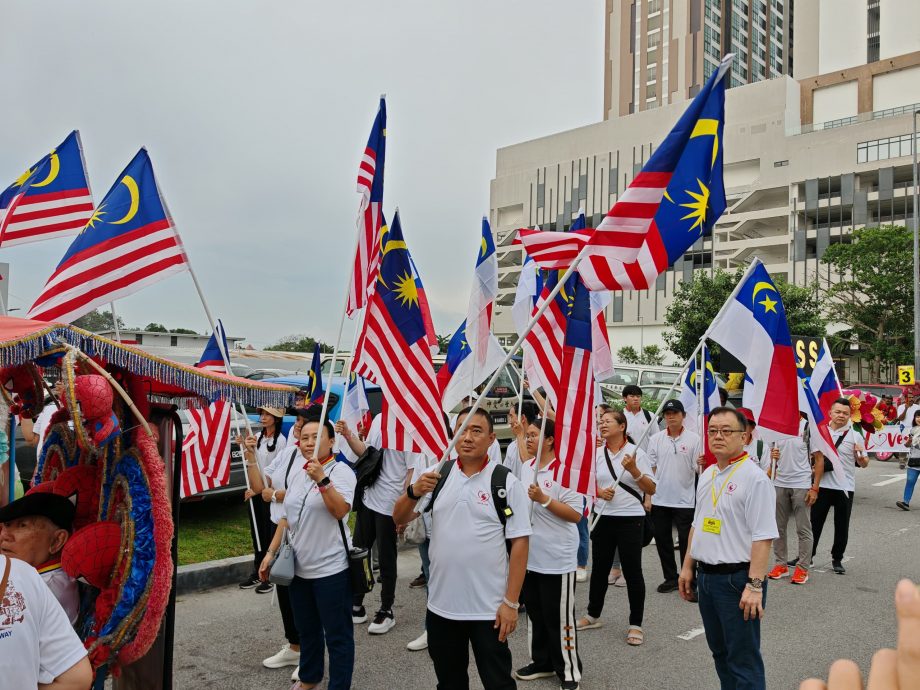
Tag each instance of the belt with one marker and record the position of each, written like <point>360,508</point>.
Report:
<point>722,568</point>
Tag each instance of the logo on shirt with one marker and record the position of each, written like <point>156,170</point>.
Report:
<point>547,484</point>
<point>731,487</point>
<point>12,608</point>
<point>483,497</point>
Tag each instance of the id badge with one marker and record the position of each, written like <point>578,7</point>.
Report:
<point>712,525</point>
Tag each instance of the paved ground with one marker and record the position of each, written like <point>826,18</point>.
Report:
<point>222,635</point>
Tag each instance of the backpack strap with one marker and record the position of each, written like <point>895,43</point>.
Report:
<point>648,416</point>
<point>287,472</point>
<point>445,470</point>
<point>628,489</point>
<point>499,483</point>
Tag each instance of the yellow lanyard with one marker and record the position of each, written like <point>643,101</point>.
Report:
<point>715,469</point>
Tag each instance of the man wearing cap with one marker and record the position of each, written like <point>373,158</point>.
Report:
<point>733,527</point>
<point>35,529</point>
<point>673,455</point>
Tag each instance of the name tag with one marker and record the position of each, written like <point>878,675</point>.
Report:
<point>712,525</point>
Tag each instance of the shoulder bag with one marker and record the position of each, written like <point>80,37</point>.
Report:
<point>648,527</point>
<point>359,566</point>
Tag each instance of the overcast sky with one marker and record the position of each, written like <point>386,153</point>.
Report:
<point>255,115</point>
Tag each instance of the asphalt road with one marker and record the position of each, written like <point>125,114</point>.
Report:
<point>222,635</point>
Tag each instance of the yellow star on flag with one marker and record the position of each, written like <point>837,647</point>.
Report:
<point>768,305</point>
<point>406,291</point>
<point>698,206</point>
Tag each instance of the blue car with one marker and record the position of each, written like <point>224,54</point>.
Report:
<point>334,390</point>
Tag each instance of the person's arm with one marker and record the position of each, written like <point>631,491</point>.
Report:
<point>335,502</point>
<point>859,453</point>
<point>28,431</point>
<point>812,494</point>
<point>404,511</point>
<point>646,483</point>
<point>351,438</point>
<point>77,677</point>
<point>541,403</point>
<point>561,510</point>
<point>251,463</point>
<point>520,437</point>
<point>506,618</point>
<point>752,601</point>
<point>685,581</point>
<point>272,549</point>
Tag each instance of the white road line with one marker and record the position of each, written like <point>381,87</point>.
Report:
<point>895,479</point>
<point>690,634</point>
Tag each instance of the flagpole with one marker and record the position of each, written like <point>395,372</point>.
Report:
<point>536,459</point>
<point>115,321</point>
<point>701,394</point>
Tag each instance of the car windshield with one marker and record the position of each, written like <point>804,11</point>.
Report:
<point>339,366</point>
<point>651,378</point>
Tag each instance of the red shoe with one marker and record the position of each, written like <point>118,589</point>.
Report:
<point>779,570</point>
<point>800,576</point>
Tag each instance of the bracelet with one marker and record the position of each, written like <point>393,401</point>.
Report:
<point>322,488</point>
<point>511,605</point>
<point>751,587</point>
<point>411,493</point>
<point>548,501</point>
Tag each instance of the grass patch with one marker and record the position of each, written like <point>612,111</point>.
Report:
<point>217,528</point>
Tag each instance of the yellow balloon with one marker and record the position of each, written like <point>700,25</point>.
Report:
<point>129,182</point>
<point>53,171</point>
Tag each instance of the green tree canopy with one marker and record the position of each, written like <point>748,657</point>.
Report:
<point>185,331</point>
<point>874,297</point>
<point>97,321</point>
<point>298,343</point>
<point>155,328</point>
<point>651,355</point>
<point>696,304</point>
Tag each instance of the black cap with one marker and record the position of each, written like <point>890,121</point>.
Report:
<point>58,509</point>
<point>673,405</point>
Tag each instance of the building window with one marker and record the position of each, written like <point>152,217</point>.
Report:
<point>651,91</point>
<point>883,149</point>
<point>651,74</point>
<point>139,339</point>
<point>173,341</point>
<point>654,40</point>
<point>654,6</point>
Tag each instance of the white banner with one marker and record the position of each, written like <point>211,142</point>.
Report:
<point>892,438</point>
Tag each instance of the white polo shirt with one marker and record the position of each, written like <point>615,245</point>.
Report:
<point>674,462</point>
<point>793,469</point>
<point>636,423</point>
<point>37,642</point>
<point>277,471</point>
<point>554,542</point>
<point>391,483</point>
<point>317,540</point>
<point>469,560</point>
<point>745,511</point>
<point>264,455</point>
<point>513,458</point>
<point>844,477</point>
<point>623,503</point>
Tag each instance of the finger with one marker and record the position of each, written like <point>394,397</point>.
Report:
<point>883,674</point>
<point>813,684</point>
<point>907,603</point>
<point>498,621</point>
<point>844,675</point>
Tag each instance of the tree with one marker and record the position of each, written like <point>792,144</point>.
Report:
<point>651,355</point>
<point>183,331</point>
<point>874,297</point>
<point>628,355</point>
<point>97,321</point>
<point>298,343</point>
<point>155,328</point>
<point>696,304</point>
<point>443,342</point>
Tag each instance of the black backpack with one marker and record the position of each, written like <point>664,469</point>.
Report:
<point>499,481</point>
<point>367,470</point>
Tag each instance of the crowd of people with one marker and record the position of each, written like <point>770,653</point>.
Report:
<point>503,538</point>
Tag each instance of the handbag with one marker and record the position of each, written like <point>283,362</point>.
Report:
<point>359,566</point>
<point>367,470</point>
<point>648,527</point>
<point>281,571</point>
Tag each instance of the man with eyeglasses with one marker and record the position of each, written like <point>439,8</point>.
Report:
<point>733,528</point>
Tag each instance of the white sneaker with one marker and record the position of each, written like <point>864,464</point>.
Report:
<point>285,657</point>
<point>383,622</point>
<point>294,677</point>
<point>581,575</point>
<point>419,643</point>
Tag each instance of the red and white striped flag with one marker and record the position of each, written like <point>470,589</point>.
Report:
<point>206,449</point>
<point>370,215</point>
<point>394,433</point>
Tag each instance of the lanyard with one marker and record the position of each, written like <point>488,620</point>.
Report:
<point>715,469</point>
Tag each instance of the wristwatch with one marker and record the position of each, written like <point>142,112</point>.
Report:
<point>325,481</point>
<point>755,584</point>
<point>411,494</point>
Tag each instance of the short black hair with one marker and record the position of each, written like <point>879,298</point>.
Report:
<point>530,411</point>
<point>742,420</point>
<point>549,428</point>
<point>841,401</point>
<point>313,414</point>
<point>723,395</point>
<point>632,389</point>
<point>481,412</point>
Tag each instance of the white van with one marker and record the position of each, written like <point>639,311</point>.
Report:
<point>646,376</point>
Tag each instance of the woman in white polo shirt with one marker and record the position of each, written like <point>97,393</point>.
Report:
<point>316,505</point>
<point>549,586</point>
<point>621,523</point>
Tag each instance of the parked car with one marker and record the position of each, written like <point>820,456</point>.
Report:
<point>262,374</point>
<point>878,389</point>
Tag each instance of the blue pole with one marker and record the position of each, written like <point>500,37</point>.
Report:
<point>12,462</point>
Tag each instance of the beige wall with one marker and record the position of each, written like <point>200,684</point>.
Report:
<point>900,27</point>
<point>841,34</point>
<point>895,89</point>
<point>805,46</point>
<point>836,102</point>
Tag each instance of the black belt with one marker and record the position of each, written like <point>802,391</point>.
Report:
<point>722,568</point>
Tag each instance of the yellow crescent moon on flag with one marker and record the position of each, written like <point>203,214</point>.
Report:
<point>129,182</point>
<point>762,285</point>
<point>485,248</point>
<point>53,171</point>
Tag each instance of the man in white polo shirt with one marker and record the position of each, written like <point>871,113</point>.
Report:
<point>837,487</point>
<point>475,582</point>
<point>733,528</point>
<point>673,455</point>
<point>637,419</point>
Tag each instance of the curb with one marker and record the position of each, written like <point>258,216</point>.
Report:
<point>198,577</point>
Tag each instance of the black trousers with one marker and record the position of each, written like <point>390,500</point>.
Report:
<point>550,602</point>
<point>843,508</point>
<point>287,615</point>
<point>449,644</point>
<point>370,527</point>
<point>663,518</point>
<point>265,528</point>
<point>611,533</point>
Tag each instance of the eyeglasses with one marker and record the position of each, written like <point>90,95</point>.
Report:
<point>725,433</point>
<point>532,437</point>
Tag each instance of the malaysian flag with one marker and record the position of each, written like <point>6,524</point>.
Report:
<point>354,412</point>
<point>213,357</point>
<point>393,350</point>
<point>206,449</point>
<point>130,242</point>
<point>575,430</point>
<point>673,202</point>
<point>51,199</point>
<point>394,434</point>
<point>370,214</point>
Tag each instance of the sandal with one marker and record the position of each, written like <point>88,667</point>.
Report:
<point>634,636</point>
<point>587,623</point>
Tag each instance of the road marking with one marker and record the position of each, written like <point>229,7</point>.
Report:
<point>690,634</point>
<point>896,478</point>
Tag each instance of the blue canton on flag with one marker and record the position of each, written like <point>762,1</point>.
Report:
<point>315,392</point>
<point>212,358</point>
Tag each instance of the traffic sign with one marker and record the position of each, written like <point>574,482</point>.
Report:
<point>906,375</point>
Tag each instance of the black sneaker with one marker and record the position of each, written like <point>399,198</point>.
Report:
<point>358,615</point>
<point>838,567</point>
<point>250,582</point>
<point>532,672</point>
<point>264,587</point>
<point>794,562</point>
<point>902,505</point>
<point>569,685</point>
<point>418,582</point>
<point>668,586</point>
<point>382,624</point>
